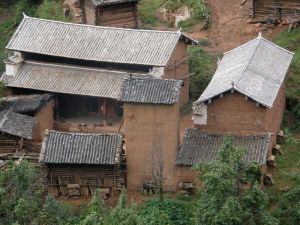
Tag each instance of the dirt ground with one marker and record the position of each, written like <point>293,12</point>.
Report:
<point>229,27</point>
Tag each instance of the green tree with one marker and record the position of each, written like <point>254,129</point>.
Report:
<point>230,193</point>
<point>21,192</point>
<point>155,217</point>
<point>289,207</point>
<point>201,68</point>
<point>124,213</point>
<point>96,212</point>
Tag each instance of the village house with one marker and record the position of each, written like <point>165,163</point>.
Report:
<point>23,121</point>
<point>112,13</point>
<point>79,163</point>
<point>245,98</point>
<point>151,123</point>
<point>43,48</point>
<point>275,11</point>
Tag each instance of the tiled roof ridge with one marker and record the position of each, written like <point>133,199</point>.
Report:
<point>95,27</point>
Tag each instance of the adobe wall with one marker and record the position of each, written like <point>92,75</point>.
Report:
<point>45,120</point>
<point>150,131</point>
<point>185,174</point>
<point>233,113</point>
<point>274,115</point>
<point>181,71</point>
<point>90,12</point>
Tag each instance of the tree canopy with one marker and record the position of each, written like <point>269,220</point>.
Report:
<point>231,194</point>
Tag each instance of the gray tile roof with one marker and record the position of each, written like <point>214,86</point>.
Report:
<point>96,43</point>
<point>110,2</point>
<point>255,69</point>
<point>81,148</point>
<point>200,146</point>
<point>17,124</point>
<point>149,90</point>
<point>68,80</point>
<point>25,103</point>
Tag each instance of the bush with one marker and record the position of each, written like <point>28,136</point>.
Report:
<point>289,207</point>
<point>176,212</point>
<point>147,10</point>
<point>201,66</point>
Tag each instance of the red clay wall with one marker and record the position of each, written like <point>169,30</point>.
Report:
<point>233,113</point>
<point>181,71</point>
<point>45,120</point>
<point>147,126</point>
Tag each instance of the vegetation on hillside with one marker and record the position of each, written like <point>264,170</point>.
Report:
<point>290,41</point>
<point>202,66</point>
<point>12,13</point>
<point>148,11</point>
<point>230,195</point>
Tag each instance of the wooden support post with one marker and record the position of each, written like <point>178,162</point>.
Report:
<point>105,113</point>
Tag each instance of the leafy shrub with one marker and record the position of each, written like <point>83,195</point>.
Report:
<point>289,207</point>
<point>55,212</point>
<point>21,192</point>
<point>201,66</point>
<point>147,10</point>
<point>176,212</point>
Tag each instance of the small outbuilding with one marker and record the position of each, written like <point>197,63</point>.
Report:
<point>275,11</point>
<point>247,93</point>
<point>16,132</point>
<point>112,13</point>
<point>24,119</point>
<point>202,146</point>
<point>83,161</point>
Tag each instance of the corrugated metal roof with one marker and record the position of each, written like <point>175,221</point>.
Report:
<point>110,2</point>
<point>103,44</point>
<point>200,146</point>
<point>81,148</point>
<point>68,80</point>
<point>149,90</point>
<point>17,124</point>
<point>25,103</point>
<point>255,69</point>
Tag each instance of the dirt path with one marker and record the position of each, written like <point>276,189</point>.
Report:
<point>229,27</point>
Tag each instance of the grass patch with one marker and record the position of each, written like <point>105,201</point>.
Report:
<point>286,173</point>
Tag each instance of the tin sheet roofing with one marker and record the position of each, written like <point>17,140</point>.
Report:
<point>17,124</point>
<point>200,146</point>
<point>256,69</point>
<point>68,80</point>
<point>80,148</point>
<point>96,43</point>
<point>149,90</point>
